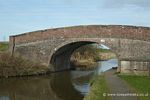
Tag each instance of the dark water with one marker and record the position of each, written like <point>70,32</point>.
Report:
<point>68,85</point>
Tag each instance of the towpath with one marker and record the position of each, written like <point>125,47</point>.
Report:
<point>119,89</point>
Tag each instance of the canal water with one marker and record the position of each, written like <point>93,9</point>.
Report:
<point>67,85</point>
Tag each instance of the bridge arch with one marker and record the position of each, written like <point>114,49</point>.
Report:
<point>60,56</point>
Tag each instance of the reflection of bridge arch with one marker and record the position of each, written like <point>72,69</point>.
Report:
<point>64,88</point>
<point>128,42</point>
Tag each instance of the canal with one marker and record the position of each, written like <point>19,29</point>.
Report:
<point>67,85</point>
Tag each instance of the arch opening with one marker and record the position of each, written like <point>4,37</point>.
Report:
<point>61,58</point>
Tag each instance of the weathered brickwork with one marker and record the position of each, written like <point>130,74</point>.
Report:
<point>54,46</point>
<point>127,32</point>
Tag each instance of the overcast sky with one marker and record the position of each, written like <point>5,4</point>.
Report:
<point>19,16</point>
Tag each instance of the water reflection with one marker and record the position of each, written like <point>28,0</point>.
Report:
<point>58,86</point>
<point>52,87</point>
<point>106,65</point>
<point>35,88</point>
<point>69,85</point>
<point>80,81</point>
<point>63,87</point>
<point>4,98</point>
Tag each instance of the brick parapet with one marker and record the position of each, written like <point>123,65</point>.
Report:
<point>112,31</point>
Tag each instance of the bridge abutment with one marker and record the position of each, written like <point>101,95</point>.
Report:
<point>135,67</point>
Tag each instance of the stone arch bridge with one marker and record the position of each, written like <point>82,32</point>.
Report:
<point>53,47</point>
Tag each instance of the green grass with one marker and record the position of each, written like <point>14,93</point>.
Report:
<point>140,83</point>
<point>104,50</point>
<point>3,46</point>
<point>98,88</point>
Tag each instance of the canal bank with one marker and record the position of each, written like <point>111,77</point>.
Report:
<point>97,89</point>
<point>140,85</point>
<point>112,86</point>
<point>13,66</point>
<point>109,86</point>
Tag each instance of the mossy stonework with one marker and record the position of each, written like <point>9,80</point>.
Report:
<point>55,46</point>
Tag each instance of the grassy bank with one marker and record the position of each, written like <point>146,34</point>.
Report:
<point>106,55</point>
<point>84,64</point>
<point>98,89</point>
<point>140,83</point>
<point>90,62</point>
<point>3,46</point>
<point>17,66</point>
<point>86,56</point>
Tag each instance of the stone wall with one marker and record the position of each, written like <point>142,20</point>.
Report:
<point>135,67</point>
